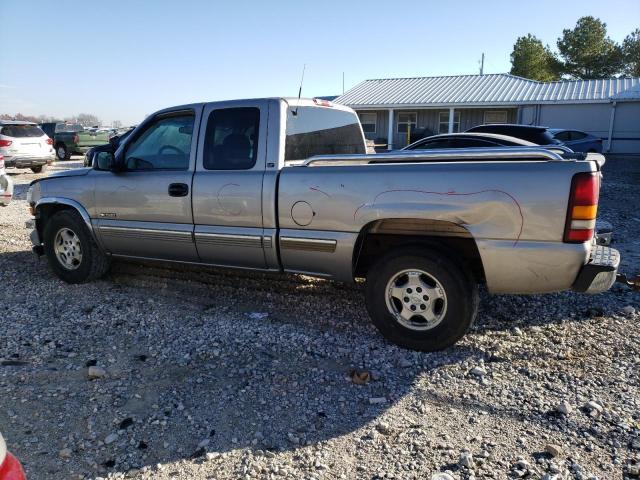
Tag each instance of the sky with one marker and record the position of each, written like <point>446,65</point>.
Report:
<point>122,60</point>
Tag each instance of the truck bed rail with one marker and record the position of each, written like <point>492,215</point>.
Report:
<point>440,155</point>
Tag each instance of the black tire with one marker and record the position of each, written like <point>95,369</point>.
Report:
<point>62,152</point>
<point>93,264</point>
<point>459,287</point>
<point>38,169</point>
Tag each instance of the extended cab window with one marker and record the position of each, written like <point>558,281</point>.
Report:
<point>322,131</point>
<point>164,145</point>
<point>231,141</point>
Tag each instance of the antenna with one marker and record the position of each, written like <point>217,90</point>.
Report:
<point>300,90</point>
<point>343,83</point>
<point>482,65</point>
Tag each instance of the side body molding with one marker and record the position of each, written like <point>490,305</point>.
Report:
<point>71,203</point>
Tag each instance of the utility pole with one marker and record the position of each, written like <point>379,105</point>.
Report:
<point>482,65</point>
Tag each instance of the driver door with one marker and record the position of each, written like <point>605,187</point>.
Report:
<point>145,210</point>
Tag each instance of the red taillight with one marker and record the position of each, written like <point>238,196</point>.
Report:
<point>5,143</point>
<point>49,141</point>
<point>583,207</point>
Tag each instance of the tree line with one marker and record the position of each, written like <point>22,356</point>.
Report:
<point>84,119</point>
<point>583,52</point>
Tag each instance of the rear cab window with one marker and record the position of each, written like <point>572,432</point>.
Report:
<point>21,131</point>
<point>321,130</point>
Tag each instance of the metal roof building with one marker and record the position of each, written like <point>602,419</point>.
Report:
<point>456,103</point>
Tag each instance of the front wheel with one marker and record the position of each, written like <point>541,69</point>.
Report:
<point>37,169</point>
<point>421,299</point>
<point>72,253</point>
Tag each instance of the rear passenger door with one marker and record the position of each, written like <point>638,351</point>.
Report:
<point>227,187</point>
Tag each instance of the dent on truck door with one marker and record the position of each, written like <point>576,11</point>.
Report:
<point>227,187</point>
<point>145,211</point>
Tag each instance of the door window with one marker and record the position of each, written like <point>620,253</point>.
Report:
<point>164,145</point>
<point>562,136</point>
<point>432,144</point>
<point>231,141</point>
<point>575,135</point>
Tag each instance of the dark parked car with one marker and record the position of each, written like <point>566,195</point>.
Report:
<point>531,133</point>
<point>467,140</point>
<point>577,141</point>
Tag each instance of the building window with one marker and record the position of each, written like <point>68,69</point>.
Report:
<point>495,116</point>
<point>443,122</point>
<point>407,122</point>
<point>368,122</point>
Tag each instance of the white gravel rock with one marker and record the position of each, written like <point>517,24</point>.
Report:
<point>96,372</point>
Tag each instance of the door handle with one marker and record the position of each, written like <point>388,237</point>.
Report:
<point>178,189</point>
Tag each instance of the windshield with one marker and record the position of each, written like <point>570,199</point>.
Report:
<point>22,131</point>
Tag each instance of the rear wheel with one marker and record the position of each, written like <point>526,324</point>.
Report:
<point>71,251</point>
<point>62,152</point>
<point>421,299</point>
<point>37,169</point>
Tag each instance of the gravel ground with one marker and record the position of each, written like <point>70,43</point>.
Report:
<point>190,373</point>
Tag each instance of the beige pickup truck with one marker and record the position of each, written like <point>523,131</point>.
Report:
<point>285,185</point>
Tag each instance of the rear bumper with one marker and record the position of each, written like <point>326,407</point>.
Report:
<point>6,189</point>
<point>27,162</point>
<point>600,271</point>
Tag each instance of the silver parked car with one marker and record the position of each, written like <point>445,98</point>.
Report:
<point>25,145</point>
<point>6,185</point>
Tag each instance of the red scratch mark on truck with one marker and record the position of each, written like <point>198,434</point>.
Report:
<point>453,193</point>
<point>317,189</point>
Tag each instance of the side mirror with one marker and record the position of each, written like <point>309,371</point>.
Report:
<point>104,161</point>
<point>114,141</point>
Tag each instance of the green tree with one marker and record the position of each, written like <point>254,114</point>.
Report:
<point>631,51</point>
<point>531,59</point>
<point>588,52</point>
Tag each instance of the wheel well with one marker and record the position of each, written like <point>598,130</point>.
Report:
<point>45,212</point>
<point>382,236</point>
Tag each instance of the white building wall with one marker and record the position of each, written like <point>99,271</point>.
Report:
<point>595,119</point>
<point>626,128</point>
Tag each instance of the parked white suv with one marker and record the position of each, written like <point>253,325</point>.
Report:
<point>6,185</point>
<point>25,145</point>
